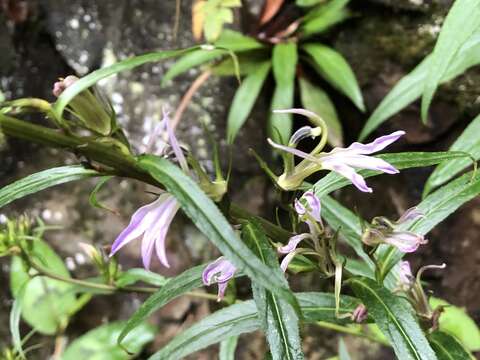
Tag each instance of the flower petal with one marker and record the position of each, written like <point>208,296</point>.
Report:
<point>405,275</point>
<point>314,205</point>
<point>292,150</point>
<point>222,287</point>
<point>221,270</point>
<point>378,144</point>
<point>405,241</point>
<point>361,162</point>
<point>349,173</point>
<point>147,251</point>
<point>286,260</point>
<point>174,144</point>
<point>411,214</point>
<point>293,243</point>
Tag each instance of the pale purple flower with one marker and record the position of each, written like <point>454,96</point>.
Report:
<point>360,314</point>
<point>290,249</point>
<point>152,221</point>
<point>62,84</point>
<point>220,271</point>
<point>411,214</point>
<point>313,208</point>
<point>345,160</point>
<point>405,241</point>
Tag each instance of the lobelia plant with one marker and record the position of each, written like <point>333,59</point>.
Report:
<point>382,292</point>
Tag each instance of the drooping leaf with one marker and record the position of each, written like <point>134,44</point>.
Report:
<point>332,66</point>
<point>43,180</point>
<point>227,348</point>
<point>93,195</point>
<point>334,181</point>
<point>188,280</point>
<point>242,318</point>
<point>284,63</point>
<point>244,100</point>
<point>410,87</point>
<point>468,142</point>
<point>457,322</point>
<point>462,21</point>
<point>323,17</point>
<point>131,276</point>
<point>316,100</point>
<point>277,317</point>
<point>394,316</point>
<point>14,322</point>
<point>97,75</point>
<point>208,218</point>
<point>447,347</point>
<point>101,343</point>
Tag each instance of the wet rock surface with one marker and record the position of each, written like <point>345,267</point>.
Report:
<point>63,37</point>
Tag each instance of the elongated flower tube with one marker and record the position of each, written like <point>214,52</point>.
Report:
<point>220,271</point>
<point>405,241</point>
<point>344,161</point>
<point>152,221</point>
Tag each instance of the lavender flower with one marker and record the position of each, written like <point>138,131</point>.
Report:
<point>405,276</point>
<point>344,161</point>
<point>152,221</point>
<point>405,241</point>
<point>219,271</point>
<point>291,249</point>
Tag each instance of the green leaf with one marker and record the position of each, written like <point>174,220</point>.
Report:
<point>242,318</point>
<point>394,316</point>
<point>46,304</point>
<point>43,180</point>
<point>227,348</point>
<point>332,66</point>
<point>447,347</point>
<point>323,17</point>
<point>406,160</point>
<point>457,322</point>
<point>462,21</point>
<point>244,100</point>
<point>284,61</point>
<point>93,195</point>
<point>247,63</point>
<point>307,3</point>
<point>316,100</point>
<point>277,317</point>
<point>208,218</point>
<point>97,75</point>
<point>410,87</point>
<point>468,142</point>
<point>237,42</point>
<point>15,315</point>
<point>175,287</point>
<point>132,276</point>
<point>190,60</point>
<point>100,343</point>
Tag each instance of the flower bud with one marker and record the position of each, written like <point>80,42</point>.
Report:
<point>360,314</point>
<point>89,107</point>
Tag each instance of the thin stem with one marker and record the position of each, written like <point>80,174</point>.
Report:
<point>199,81</point>
<point>351,331</point>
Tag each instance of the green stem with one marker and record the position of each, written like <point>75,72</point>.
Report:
<point>110,156</point>
<point>351,331</point>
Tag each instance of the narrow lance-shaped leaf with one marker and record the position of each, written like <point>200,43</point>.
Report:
<point>175,287</point>
<point>241,318</point>
<point>316,100</point>
<point>43,180</point>
<point>462,21</point>
<point>436,207</point>
<point>331,65</point>
<point>469,142</point>
<point>277,318</point>
<point>208,218</point>
<point>410,87</point>
<point>284,62</point>
<point>447,347</point>
<point>244,100</point>
<point>394,316</point>
<point>97,75</point>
